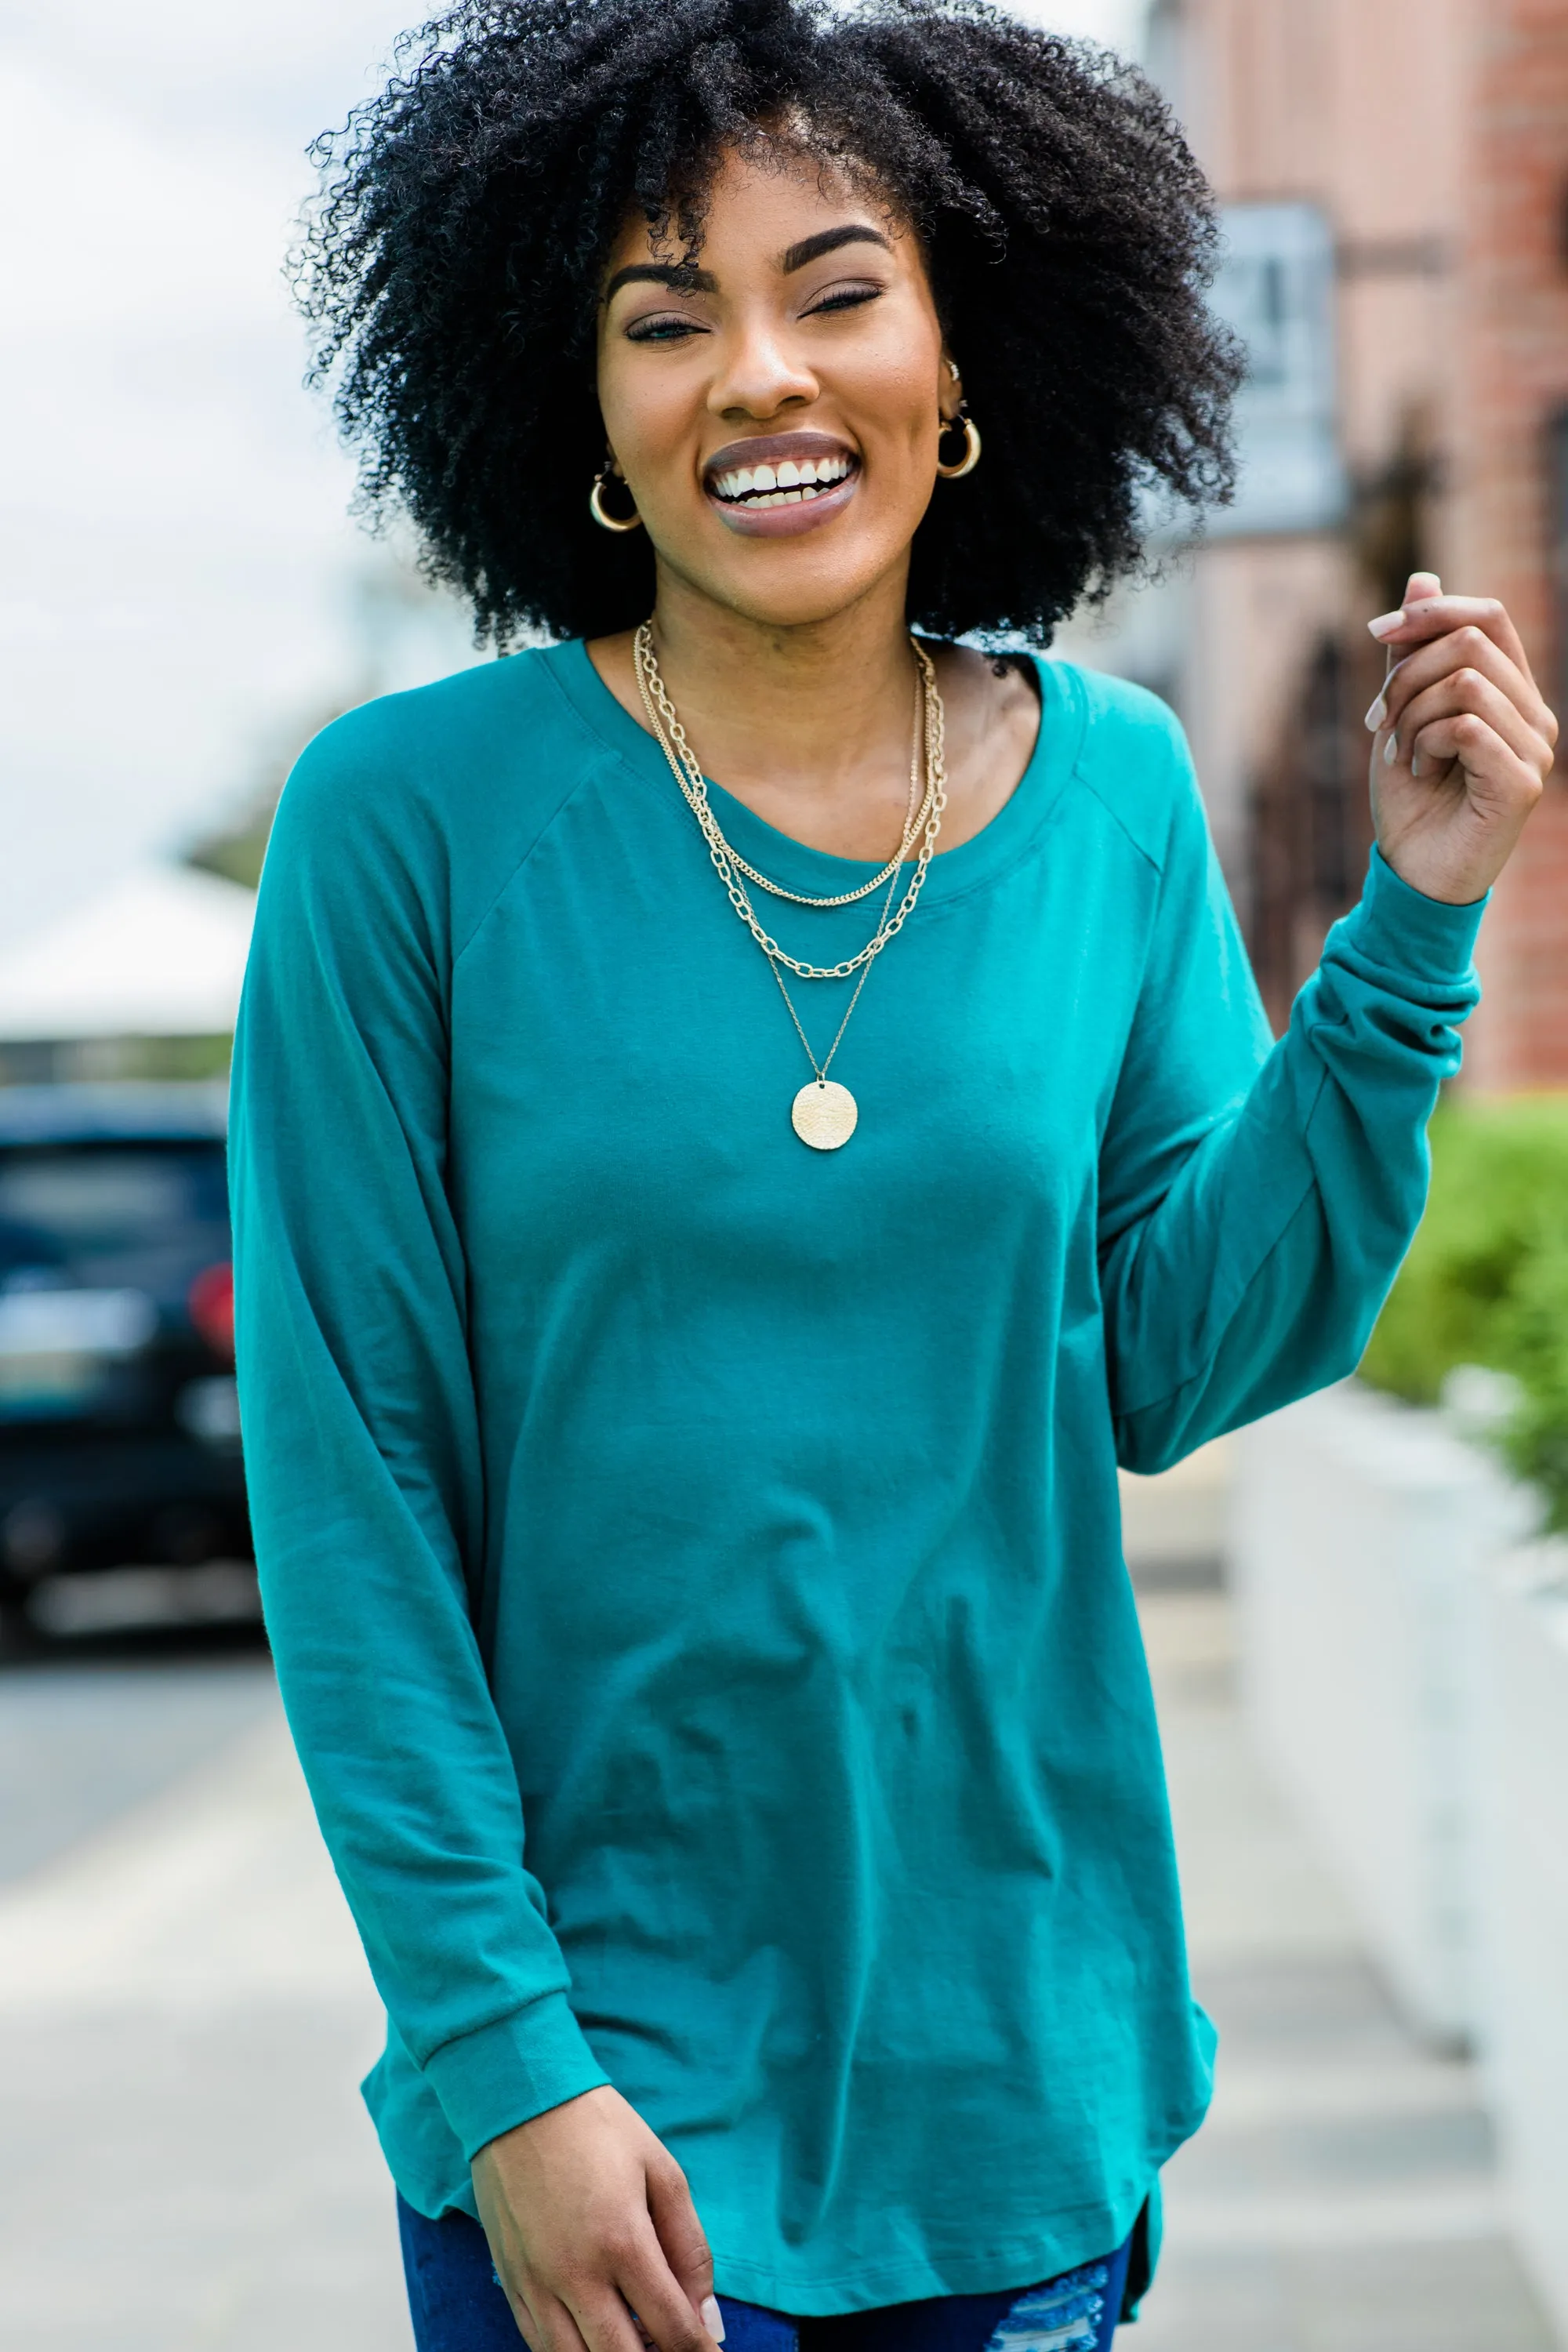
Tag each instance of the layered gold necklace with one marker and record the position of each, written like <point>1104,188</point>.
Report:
<point>824,1113</point>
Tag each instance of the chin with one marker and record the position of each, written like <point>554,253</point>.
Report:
<point>795,586</point>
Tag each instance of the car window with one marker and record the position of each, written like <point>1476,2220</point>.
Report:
<point>108,1215</point>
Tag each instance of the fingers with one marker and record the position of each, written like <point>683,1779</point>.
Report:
<point>668,2315</point>
<point>682,2239</point>
<point>1494,773</point>
<point>545,2324</point>
<point>592,2228</point>
<point>623,2301</point>
<point>1462,648</point>
<point>1468,691</point>
<point>595,2314</point>
<point>605,2321</point>
<point>1422,618</point>
<point>1466,652</point>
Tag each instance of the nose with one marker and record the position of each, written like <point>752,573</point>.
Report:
<point>761,371</point>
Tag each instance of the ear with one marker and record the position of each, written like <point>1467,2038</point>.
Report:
<point>951,390</point>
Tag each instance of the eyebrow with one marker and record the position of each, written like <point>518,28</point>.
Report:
<point>682,278</point>
<point>828,240</point>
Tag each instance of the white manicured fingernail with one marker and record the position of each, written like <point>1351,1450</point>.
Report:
<point>1415,764</point>
<point>1390,751</point>
<point>1386,622</point>
<point>1377,714</point>
<point>712,2319</point>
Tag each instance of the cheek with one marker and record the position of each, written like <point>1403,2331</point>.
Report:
<point>648,411</point>
<point>894,389</point>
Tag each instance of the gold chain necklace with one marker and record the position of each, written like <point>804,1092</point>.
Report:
<point>694,785</point>
<point>824,1113</point>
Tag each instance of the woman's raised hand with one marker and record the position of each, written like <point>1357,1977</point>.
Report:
<point>593,2234</point>
<point>1463,742</point>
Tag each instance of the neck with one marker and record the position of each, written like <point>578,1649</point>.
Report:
<point>813,713</point>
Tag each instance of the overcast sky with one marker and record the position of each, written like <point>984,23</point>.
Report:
<point>180,586</point>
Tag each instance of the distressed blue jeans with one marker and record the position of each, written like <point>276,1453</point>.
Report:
<point>457,2306</point>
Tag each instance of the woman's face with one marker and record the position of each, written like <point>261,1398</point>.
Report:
<point>776,420</point>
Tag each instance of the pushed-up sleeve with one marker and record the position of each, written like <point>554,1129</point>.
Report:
<point>1255,1200</point>
<point>362,1440</point>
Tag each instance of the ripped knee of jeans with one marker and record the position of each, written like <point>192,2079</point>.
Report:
<point>1066,2314</point>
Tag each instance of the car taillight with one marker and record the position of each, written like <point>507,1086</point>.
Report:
<point>210,1303</point>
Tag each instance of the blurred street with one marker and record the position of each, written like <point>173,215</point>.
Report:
<point>185,2014</point>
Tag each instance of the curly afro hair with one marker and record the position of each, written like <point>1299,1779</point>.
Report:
<point>452,263</point>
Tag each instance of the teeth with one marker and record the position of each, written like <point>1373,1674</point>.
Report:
<point>785,485</point>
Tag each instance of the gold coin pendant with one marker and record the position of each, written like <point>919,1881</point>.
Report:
<point>823,1114</point>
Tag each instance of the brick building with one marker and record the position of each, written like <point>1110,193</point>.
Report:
<point>1431,137</point>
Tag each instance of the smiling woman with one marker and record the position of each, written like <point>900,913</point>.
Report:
<point>456,266</point>
<point>685,1496</point>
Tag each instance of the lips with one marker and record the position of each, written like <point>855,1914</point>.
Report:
<point>777,483</point>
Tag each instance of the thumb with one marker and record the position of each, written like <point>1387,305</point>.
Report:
<point>1420,585</point>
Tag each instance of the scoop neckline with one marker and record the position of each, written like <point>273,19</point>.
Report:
<point>952,873</point>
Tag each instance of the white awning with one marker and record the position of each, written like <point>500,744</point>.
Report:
<point>159,955</point>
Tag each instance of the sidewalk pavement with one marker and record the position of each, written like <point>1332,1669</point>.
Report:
<point>185,2015</point>
<point>184,2165</point>
<point>1342,2196</point>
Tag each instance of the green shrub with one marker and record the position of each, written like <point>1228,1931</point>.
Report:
<point>1486,1281</point>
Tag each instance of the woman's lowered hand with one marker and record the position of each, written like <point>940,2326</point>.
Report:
<point>1463,742</point>
<point>593,2234</point>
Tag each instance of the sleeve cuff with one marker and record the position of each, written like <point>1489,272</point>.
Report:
<point>1403,931</point>
<point>499,2076</point>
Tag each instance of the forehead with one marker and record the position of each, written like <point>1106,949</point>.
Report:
<point>760,202</point>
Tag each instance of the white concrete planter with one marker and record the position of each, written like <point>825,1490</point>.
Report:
<point>1360,1531</point>
<point>1174,1526</point>
<point>1521,1881</point>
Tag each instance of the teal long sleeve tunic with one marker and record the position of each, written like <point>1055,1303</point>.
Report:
<point>692,1560</point>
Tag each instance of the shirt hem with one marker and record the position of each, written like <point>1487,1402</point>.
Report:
<point>991,2268</point>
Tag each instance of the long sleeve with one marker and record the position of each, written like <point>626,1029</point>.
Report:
<point>362,1442</point>
<point>1256,1202</point>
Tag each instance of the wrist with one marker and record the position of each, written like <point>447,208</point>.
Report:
<point>1449,881</point>
<point>1408,931</point>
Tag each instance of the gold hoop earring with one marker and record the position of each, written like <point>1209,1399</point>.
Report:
<point>605,520</point>
<point>972,445</point>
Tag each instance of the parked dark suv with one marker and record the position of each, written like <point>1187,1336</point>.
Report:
<point>119,1428</point>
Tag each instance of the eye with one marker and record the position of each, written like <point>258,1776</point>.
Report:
<point>662,327</point>
<point>843,298</point>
